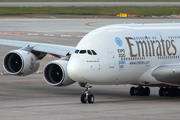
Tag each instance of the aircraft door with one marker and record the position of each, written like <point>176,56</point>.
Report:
<point>111,56</point>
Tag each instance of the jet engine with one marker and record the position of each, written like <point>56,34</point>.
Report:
<point>55,73</point>
<point>20,62</point>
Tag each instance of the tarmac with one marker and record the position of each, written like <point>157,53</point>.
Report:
<point>31,98</point>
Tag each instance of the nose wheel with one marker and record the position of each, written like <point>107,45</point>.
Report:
<point>87,96</point>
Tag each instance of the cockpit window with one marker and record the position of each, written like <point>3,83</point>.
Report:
<point>77,51</point>
<point>94,53</point>
<point>89,52</point>
<point>82,51</point>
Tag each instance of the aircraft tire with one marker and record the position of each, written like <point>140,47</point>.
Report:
<point>174,92</point>
<point>166,91</point>
<point>132,91</point>
<point>146,91</point>
<point>141,91</point>
<point>170,92</point>
<point>161,92</point>
<point>83,98</point>
<point>177,92</point>
<point>90,98</point>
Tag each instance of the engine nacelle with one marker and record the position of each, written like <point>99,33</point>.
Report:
<point>55,73</point>
<point>20,62</point>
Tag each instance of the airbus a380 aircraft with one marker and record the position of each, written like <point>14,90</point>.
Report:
<point>142,55</point>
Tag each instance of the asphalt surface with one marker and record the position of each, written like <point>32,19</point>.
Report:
<point>31,98</point>
<point>82,4</point>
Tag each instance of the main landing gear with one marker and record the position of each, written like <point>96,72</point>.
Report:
<point>87,96</point>
<point>169,91</point>
<point>140,91</point>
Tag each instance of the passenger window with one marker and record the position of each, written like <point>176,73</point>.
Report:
<point>77,51</point>
<point>82,52</point>
<point>89,52</point>
<point>94,53</point>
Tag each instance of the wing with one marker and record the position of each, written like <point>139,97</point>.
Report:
<point>57,50</point>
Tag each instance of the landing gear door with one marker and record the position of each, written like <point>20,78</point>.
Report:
<point>111,59</point>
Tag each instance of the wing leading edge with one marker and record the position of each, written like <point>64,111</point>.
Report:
<point>58,50</point>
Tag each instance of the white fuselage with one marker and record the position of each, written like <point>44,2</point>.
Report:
<point>126,54</point>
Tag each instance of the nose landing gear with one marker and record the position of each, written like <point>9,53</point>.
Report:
<point>87,96</point>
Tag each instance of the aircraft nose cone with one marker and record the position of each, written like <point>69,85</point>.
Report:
<point>74,70</point>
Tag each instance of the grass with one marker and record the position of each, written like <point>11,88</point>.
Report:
<point>89,0</point>
<point>111,11</point>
